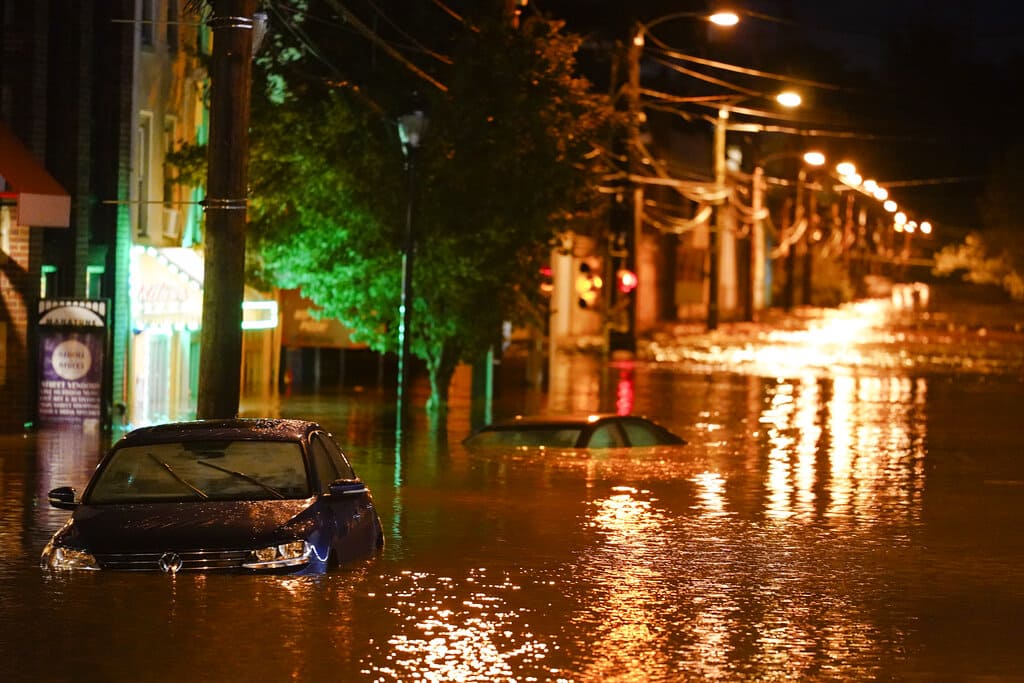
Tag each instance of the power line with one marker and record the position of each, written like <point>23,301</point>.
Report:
<point>415,43</point>
<point>372,36</point>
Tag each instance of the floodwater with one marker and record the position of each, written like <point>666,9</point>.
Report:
<point>835,516</point>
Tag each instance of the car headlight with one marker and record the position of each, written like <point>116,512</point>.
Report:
<point>284,555</point>
<point>59,557</point>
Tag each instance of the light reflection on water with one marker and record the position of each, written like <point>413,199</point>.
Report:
<point>837,526</point>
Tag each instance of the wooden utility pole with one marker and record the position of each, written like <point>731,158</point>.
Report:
<point>226,185</point>
<point>718,224</point>
<point>626,217</point>
<point>756,297</point>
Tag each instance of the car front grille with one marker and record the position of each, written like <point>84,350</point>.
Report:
<point>182,561</point>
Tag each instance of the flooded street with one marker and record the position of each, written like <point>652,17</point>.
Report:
<point>844,510</point>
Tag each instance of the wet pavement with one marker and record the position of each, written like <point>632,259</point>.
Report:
<point>849,507</point>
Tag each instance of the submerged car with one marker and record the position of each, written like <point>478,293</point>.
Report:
<point>581,431</point>
<point>240,495</point>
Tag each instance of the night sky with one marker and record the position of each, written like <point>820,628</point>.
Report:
<point>943,75</point>
<point>993,28</point>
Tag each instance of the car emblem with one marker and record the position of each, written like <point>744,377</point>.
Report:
<point>170,563</point>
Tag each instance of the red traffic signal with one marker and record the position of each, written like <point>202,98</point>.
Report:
<point>626,280</point>
<point>547,283</point>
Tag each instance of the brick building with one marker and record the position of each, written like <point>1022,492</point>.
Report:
<point>65,105</point>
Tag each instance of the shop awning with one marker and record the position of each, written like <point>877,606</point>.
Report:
<point>40,200</point>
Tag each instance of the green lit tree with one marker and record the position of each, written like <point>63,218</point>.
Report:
<point>508,159</point>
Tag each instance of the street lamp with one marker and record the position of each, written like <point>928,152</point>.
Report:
<point>722,18</point>
<point>756,297</point>
<point>410,131</point>
<point>787,99</point>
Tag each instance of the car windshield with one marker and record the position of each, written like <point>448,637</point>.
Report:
<point>219,470</point>
<point>541,435</point>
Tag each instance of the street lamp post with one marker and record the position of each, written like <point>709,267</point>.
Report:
<point>755,297</point>
<point>723,18</point>
<point>757,270</point>
<point>410,130</point>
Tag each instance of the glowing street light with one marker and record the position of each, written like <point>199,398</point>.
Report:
<point>789,98</point>
<point>846,168</point>
<point>724,18</point>
<point>814,158</point>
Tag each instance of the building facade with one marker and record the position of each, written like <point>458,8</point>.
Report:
<point>95,94</point>
<point>55,105</point>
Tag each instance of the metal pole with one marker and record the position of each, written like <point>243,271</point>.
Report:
<point>405,309</point>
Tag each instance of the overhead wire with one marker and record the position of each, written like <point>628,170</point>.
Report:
<point>682,56</point>
<point>372,36</point>
<point>416,43</point>
<point>455,15</point>
<point>301,36</point>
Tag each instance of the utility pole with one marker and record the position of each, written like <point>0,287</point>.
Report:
<point>718,224</point>
<point>812,225</point>
<point>220,358</point>
<point>626,214</point>
<point>757,247</point>
<point>791,253</point>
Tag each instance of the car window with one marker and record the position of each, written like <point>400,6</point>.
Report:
<point>338,459</point>
<point>552,437</point>
<point>209,470</point>
<point>606,436</point>
<point>326,470</point>
<point>642,433</point>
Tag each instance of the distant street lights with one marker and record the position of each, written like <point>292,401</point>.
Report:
<point>900,223</point>
<point>410,130</point>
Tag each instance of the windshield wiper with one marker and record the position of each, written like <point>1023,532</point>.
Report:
<point>177,477</point>
<point>243,475</point>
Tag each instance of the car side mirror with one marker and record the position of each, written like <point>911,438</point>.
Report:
<point>64,497</point>
<point>347,487</point>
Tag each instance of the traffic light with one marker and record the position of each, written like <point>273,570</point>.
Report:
<point>547,281</point>
<point>588,286</point>
<point>626,280</point>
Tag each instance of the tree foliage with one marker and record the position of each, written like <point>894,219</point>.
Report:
<point>507,160</point>
<point>994,255</point>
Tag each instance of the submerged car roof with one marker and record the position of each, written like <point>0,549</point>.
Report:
<point>553,420</point>
<point>262,428</point>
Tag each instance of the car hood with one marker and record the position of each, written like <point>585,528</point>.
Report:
<point>153,527</point>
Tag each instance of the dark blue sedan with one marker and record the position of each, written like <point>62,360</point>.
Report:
<point>242,495</point>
